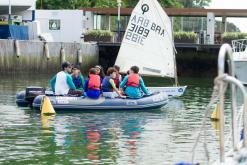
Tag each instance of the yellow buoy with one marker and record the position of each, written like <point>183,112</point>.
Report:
<point>46,121</point>
<point>46,107</point>
<point>216,113</point>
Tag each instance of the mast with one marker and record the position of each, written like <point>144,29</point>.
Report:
<point>174,56</point>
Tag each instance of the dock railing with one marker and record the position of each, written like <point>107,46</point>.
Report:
<point>239,45</point>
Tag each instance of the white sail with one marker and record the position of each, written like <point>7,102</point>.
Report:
<point>148,42</point>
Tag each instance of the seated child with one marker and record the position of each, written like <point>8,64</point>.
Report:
<point>118,78</point>
<point>133,84</point>
<point>92,84</point>
<point>108,86</point>
<point>78,79</point>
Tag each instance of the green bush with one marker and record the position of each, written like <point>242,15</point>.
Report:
<point>234,35</point>
<point>181,35</point>
<point>99,33</point>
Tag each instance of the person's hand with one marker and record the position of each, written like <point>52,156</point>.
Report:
<point>123,97</point>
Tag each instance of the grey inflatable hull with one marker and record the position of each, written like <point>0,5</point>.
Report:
<point>78,103</point>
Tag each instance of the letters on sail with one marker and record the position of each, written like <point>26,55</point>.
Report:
<point>148,42</point>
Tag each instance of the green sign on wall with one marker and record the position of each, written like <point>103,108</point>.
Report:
<point>54,24</point>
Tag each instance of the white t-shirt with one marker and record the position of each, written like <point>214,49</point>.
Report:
<point>61,85</point>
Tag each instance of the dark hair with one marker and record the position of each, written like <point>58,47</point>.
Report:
<point>102,73</point>
<point>110,71</point>
<point>135,69</point>
<point>65,65</point>
<point>92,71</point>
<point>116,67</point>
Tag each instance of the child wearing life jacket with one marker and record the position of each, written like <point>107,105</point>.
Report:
<point>100,72</point>
<point>78,79</point>
<point>118,78</point>
<point>108,85</point>
<point>92,85</point>
<point>134,84</point>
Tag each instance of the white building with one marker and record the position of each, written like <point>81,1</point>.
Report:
<point>50,25</point>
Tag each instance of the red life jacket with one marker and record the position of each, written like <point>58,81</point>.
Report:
<point>94,82</point>
<point>133,80</point>
<point>116,81</point>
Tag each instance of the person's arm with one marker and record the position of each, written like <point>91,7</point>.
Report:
<point>123,83</point>
<point>82,82</point>
<point>53,82</point>
<point>111,81</point>
<point>143,87</point>
<point>70,82</point>
<point>86,85</point>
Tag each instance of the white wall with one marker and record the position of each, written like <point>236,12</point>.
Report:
<point>71,24</point>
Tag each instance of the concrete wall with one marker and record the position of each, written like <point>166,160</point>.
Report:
<point>32,58</point>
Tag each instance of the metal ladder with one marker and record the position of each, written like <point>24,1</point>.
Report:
<point>224,54</point>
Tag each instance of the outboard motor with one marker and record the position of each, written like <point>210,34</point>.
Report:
<point>32,92</point>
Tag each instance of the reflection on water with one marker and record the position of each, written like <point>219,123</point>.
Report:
<point>163,136</point>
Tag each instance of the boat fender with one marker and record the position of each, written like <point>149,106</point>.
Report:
<point>46,51</point>
<point>46,107</point>
<point>17,48</point>
<point>62,55</point>
<point>79,56</point>
<point>216,113</point>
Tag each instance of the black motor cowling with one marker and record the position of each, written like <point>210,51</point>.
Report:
<point>32,92</point>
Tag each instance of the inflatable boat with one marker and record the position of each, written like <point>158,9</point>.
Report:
<point>153,101</point>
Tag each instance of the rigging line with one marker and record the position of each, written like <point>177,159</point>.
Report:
<point>214,97</point>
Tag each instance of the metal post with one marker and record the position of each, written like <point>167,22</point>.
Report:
<point>9,20</point>
<point>118,19</point>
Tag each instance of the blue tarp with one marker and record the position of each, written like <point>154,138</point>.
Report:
<point>14,32</point>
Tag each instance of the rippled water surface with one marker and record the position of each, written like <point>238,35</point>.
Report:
<point>159,137</point>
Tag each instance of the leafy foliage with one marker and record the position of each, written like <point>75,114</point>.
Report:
<point>195,3</point>
<point>185,35</point>
<point>234,35</point>
<point>77,4</point>
<point>99,33</point>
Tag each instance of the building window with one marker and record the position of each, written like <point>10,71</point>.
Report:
<point>54,24</point>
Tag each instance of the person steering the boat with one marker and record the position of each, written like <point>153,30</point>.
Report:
<point>134,84</point>
<point>62,82</point>
<point>78,79</point>
<point>108,85</point>
<point>92,84</point>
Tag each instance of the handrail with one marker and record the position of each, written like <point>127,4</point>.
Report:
<point>226,51</point>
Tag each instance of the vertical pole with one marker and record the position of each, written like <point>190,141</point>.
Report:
<point>174,55</point>
<point>109,22</point>
<point>41,4</point>
<point>9,20</point>
<point>118,20</point>
<point>182,23</point>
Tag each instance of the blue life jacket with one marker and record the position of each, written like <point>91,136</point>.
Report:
<point>106,86</point>
<point>77,81</point>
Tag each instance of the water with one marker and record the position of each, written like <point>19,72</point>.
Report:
<point>159,137</point>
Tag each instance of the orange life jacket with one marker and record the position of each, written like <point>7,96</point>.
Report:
<point>133,80</point>
<point>94,82</point>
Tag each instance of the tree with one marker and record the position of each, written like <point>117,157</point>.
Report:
<point>77,4</point>
<point>195,3</point>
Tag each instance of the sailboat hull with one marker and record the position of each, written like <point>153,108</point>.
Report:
<point>170,91</point>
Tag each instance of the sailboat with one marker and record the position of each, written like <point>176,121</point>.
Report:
<point>148,43</point>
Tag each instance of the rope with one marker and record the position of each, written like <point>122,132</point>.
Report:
<point>214,97</point>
